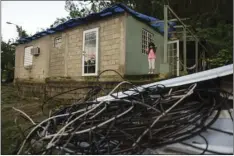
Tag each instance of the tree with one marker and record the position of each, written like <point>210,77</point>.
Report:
<point>21,33</point>
<point>211,20</point>
<point>59,21</point>
<point>77,9</point>
<point>7,61</point>
<point>220,42</point>
<point>215,27</point>
<point>8,56</point>
<point>74,12</point>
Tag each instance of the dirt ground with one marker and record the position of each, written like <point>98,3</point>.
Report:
<point>10,132</point>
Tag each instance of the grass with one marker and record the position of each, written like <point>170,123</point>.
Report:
<point>9,130</point>
<point>32,107</point>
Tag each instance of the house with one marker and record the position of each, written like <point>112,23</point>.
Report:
<point>115,38</point>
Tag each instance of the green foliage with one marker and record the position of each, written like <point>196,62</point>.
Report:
<point>211,21</point>
<point>83,8</point>
<point>8,56</point>
<point>219,37</point>
<point>7,60</point>
<point>223,57</point>
<point>77,9</point>
<point>59,21</point>
<point>21,33</point>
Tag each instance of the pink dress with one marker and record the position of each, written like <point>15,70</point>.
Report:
<point>151,54</point>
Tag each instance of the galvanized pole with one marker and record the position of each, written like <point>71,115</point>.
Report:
<point>196,54</point>
<point>178,59</point>
<point>184,50</point>
<point>165,33</point>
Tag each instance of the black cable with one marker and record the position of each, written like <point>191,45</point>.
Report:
<point>78,88</point>
<point>188,119</point>
<point>215,152</point>
<point>207,144</point>
<point>219,130</point>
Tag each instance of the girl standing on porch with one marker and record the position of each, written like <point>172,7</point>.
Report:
<point>151,51</point>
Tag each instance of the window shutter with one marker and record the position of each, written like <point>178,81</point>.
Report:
<point>28,57</point>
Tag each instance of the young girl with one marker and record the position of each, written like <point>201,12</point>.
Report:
<point>151,57</point>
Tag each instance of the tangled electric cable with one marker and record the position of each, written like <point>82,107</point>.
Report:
<point>150,118</point>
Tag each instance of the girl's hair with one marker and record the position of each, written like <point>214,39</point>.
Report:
<point>153,45</point>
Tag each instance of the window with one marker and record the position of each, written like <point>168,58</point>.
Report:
<point>28,57</point>
<point>90,52</point>
<point>57,42</point>
<point>146,38</point>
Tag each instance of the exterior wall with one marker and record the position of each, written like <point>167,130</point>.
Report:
<point>67,61</point>
<point>39,70</point>
<point>136,61</point>
<point>57,57</point>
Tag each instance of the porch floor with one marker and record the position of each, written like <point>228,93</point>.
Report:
<point>143,77</point>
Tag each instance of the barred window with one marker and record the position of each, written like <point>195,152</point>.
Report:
<point>57,42</point>
<point>146,38</point>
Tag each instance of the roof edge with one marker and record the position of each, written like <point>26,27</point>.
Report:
<point>107,12</point>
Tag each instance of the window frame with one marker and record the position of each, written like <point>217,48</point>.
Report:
<point>97,52</point>
<point>30,65</point>
<point>144,47</point>
<point>55,39</point>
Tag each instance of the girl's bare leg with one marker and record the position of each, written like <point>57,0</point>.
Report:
<point>149,66</point>
<point>152,65</point>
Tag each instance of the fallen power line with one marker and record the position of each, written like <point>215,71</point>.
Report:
<point>149,117</point>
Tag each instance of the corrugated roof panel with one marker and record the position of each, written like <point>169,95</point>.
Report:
<point>183,80</point>
<point>118,8</point>
<point>49,31</point>
<point>105,14</point>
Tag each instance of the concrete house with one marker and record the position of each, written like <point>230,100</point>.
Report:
<point>115,38</point>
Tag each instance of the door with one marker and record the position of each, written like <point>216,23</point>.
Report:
<point>90,52</point>
<point>174,57</point>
